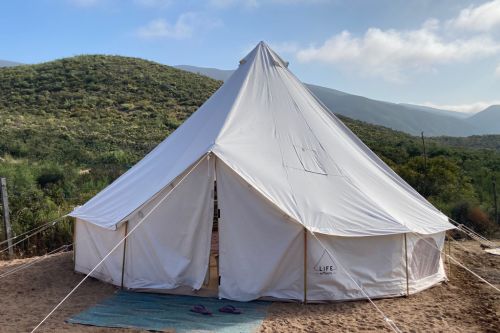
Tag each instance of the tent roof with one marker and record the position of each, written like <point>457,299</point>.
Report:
<point>271,130</point>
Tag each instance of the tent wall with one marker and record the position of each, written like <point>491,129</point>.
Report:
<point>92,243</point>
<point>377,264</point>
<point>169,249</point>
<point>260,253</point>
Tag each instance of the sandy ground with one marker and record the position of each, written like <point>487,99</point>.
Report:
<point>462,305</point>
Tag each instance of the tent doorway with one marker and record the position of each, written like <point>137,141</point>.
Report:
<point>212,278</point>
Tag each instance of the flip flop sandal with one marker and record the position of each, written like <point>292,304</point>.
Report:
<point>230,309</point>
<point>199,308</point>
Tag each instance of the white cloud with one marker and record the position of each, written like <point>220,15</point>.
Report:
<point>154,3</point>
<point>391,54</point>
<point>497,71</point>
<point>185,27</point>
<point>483,17</point>
<point>464,108</point>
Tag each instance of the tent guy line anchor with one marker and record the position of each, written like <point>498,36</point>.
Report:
<point>472,234</point>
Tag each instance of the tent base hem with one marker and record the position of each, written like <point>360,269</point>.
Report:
<point>415,287</point>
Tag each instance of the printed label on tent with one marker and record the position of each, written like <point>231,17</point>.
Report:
<point>325,265</point>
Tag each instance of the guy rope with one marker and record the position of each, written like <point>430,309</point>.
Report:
<point>139,223</point>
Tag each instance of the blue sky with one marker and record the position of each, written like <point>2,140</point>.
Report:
<point>440,53</point>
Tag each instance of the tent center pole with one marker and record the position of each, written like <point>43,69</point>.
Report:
<point>406,264</point>
<point>305,265</point>
<point>124,251</point>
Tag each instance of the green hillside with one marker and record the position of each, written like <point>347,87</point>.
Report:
<point>474,141</point>
<point>84,108</point>
<point>71,126</point>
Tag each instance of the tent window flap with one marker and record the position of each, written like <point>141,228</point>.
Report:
<point>309,160</point>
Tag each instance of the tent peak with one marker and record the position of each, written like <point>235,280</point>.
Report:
<point>263,51</point>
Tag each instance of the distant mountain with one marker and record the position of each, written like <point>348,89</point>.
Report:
<point>409,118</point>
<point>487,120</point>
<point>392,115</point>
<point>455,114</point>
<point>6,63</point>
<point>214,73</point>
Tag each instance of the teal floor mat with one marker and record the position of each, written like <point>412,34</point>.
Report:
<point>159,312</point>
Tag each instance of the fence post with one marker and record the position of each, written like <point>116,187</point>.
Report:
<point>495,201</point>
<point>6,216</point>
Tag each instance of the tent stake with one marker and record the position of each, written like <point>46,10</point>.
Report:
<point>406,264</point>
<point>124,251</point>
<point>305,265</point>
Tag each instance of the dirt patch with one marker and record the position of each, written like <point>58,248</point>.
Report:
<point>462,305</point>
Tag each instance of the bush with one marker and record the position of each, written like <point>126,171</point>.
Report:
<point>50,175</point>
<point>474,217</point>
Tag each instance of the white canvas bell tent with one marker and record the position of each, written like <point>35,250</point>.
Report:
<point>307,211</point>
